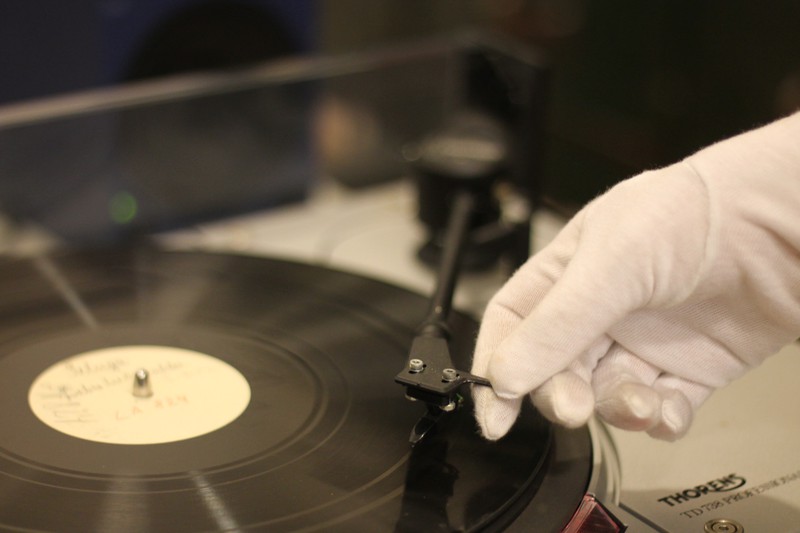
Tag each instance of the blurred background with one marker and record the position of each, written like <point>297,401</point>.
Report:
<point>632,85</point>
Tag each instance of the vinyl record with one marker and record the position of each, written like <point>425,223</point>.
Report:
<point>270,405</point>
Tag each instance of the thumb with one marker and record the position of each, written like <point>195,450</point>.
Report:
<point>572,318</point>
<point>640,245</point>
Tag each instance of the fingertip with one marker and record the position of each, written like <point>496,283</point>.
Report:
<point>495,415</point>
<point>680,400</point>
<point>514,372</point>
<point>677,415</point>
<point>632,406</point>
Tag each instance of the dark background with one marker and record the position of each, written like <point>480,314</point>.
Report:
<point>635,84</point>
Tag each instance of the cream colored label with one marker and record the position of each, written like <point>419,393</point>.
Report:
<point>91,395</point>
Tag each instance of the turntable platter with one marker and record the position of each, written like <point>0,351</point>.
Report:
<point>272,406</point>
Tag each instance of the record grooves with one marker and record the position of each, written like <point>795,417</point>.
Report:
<point>321,443</point>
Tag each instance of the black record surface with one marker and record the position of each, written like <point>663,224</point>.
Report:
<point>323,443</point>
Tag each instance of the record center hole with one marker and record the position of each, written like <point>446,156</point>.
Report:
<point>141,384</point>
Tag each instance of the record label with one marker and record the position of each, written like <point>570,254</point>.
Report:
<point>93,395</point>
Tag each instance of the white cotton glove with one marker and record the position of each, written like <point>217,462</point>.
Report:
<point>670,285</point>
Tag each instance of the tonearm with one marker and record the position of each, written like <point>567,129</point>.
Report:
<point>457,170</point>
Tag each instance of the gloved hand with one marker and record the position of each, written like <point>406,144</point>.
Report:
<point>670,285</point>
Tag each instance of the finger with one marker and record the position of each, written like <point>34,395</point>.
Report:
<point>680,400</point>
<point>532,281</point>
<point>565,399</point>
<point>521,293</point>
<point>494,415</point>
<point>573,316</point>
<point>623,386</point>
<point>594,291</point>
<point>495,327</point>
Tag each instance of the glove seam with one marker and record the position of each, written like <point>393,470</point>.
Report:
<point>511,310</point>
<point>712,223</point>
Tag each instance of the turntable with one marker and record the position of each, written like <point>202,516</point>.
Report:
<point>266,405</point>
<point>238,376</point>
<point>733,467</point>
